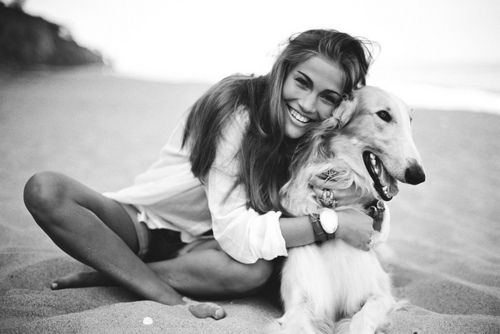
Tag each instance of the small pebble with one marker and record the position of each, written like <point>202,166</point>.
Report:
<point>147,321</point>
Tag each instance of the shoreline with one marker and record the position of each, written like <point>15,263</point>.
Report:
<point>438,96</point>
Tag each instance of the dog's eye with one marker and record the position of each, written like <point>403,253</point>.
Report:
<point>384,115</point>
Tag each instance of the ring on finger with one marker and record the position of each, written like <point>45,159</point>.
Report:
<point>327,199</point>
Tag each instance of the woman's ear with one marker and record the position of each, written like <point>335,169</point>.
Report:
<point>342,114</point>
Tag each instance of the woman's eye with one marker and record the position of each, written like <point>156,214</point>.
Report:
<point>330,100</point>
<point>384,115</point>
<point>301,81</point>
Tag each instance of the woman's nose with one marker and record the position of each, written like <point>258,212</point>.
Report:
<point>307,103</point>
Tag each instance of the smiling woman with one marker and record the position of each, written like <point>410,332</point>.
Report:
<point>208,211</point>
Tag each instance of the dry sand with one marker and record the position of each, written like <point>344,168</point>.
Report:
<point>103,130</point>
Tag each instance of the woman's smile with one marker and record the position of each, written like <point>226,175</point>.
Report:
<point>298,116</point>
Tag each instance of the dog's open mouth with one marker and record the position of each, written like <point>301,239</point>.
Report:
<point>383,182</point>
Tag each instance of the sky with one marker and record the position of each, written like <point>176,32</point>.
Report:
<point>196,40</point>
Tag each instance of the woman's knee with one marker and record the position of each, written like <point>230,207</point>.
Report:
<point>44,193</point>
<point>248,278</point>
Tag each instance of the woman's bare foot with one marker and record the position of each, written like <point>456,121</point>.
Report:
<point>204,309</point>
<point>81,280</point>
<point>95,278</point>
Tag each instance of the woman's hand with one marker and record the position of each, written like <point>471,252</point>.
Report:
<point>318,183</point>
<point>322,186</point>
<point>322,189</point>
<point>355,228</point>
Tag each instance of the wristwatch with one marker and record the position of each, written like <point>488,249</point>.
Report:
<point>324,224</point>
<point>329,220</point>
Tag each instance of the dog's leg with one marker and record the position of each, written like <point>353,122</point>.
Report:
<point>306,292</point>
<point>372,315</point>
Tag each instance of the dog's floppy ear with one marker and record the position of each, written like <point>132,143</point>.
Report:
<point>314,145</point>
<point>342,114</point>
<point>331,126</point>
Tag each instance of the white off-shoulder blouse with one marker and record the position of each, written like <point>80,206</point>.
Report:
<point>169,196</point>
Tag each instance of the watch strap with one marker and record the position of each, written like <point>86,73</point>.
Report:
<point>319,233</point>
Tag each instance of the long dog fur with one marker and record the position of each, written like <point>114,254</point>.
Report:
<point>334,287</point>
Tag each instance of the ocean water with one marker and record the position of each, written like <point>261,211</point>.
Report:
<point>468,87</point>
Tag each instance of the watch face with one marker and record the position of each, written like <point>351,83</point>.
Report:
<point>329,221</point>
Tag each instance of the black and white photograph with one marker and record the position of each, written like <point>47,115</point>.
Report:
<point>292,167</point>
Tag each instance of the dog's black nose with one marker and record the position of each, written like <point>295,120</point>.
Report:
<point>414,174</point>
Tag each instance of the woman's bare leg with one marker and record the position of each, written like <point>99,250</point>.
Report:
<point>204,272</point>
<point>211,273</point>
<point>94,230</point>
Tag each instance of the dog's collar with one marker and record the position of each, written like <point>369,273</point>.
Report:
<point>375,209</point>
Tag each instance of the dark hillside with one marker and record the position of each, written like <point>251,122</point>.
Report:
<point>27,40</point>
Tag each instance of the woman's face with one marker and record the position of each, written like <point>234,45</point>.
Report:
<point>312,90</point>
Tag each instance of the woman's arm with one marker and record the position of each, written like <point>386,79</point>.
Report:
<point>241,232</point>
<point>246,235</point>
<point>354,227</point>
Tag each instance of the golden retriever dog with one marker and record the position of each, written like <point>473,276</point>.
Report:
<point>365,148</point>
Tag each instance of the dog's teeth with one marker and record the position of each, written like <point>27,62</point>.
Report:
<point>373,162</point>
<point>375,169</point>
<point>385,189</point>
<point>372,156</point>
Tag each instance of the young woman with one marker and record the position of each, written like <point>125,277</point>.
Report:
<point>205,220</point>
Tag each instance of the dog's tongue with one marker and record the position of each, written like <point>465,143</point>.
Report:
<point>393,188</point>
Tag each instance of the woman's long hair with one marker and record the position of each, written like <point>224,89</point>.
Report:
<point>265,152</point>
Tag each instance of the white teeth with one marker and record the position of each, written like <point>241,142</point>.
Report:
<point>299,117</point>
<point>373,161</point>
<point>385,189</point>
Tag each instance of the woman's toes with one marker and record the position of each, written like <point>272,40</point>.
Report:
<point>79,280</point>
<point>64,282</point>
<point>207,310</point>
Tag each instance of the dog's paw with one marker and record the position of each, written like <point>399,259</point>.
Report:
<point>361,326</point>
<point>384,328</point>
<point>274,327</point>
<point>342,326</point>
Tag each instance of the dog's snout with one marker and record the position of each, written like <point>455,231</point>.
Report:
<point>414,174</point>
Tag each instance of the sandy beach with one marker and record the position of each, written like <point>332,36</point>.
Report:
<point>103,130</point>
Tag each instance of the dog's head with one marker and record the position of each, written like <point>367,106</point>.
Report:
<point>368,141</point>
